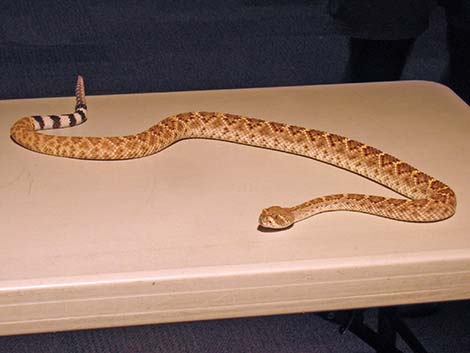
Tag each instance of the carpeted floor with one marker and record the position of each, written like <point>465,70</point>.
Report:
<point>123,47</point>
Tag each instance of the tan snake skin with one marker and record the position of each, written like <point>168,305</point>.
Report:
<point>428,199</point>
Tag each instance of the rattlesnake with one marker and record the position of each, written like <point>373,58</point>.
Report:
<point>428,199</point>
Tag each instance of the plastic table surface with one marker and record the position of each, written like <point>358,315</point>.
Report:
<point>173,236</point>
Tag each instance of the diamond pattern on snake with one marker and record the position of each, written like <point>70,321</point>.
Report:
<point>425,199</point>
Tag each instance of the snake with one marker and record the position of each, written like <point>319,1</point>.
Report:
<point>423,198</point>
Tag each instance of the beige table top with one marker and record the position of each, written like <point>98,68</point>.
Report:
<point>173,237</point>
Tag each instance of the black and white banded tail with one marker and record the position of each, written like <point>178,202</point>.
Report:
<point>44,122</point>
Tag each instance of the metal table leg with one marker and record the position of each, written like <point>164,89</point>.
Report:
<point>384,340</point>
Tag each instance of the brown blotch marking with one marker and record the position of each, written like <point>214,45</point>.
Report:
<point>295,130</point>
<point>76,140</point>
<point>184,117</point>
<point>252,123</point>
<point>333,197</point>
<point>214,124</point>
<point>447,191</point>
<point>73,150</point>
<point>277,127</point>
<point>66,142</point>
<point>231,119</point>
<point>171,123</point>
<point>142,137</point>
<point>193,116</point>
<point>115,141</point>
<point>421,178</point>
<point>129,143</point>
<point>387,160</point>
<point>376,199</point>
<point>371,162</point>
<point>439,197</point>
<point>314,135</point>
<point>354,145</point>
<point>207,117</point>
<point>192,121</point>
<point>310,203</point>
<point>397,202</point>
<point>316,201</point>
<point>420,202</point>
<point>334,140</point>
<point>436,185</point>
<point>153,139</point>
<point>370,151</point>
<point>166,133</point>
<point>155,129</point>
<point>356,197</point>
<point>36,138</point>
<point>404,168</point>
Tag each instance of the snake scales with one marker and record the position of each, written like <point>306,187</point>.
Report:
<point>427,199</point>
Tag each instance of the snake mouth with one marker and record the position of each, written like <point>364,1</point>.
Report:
<point>264,229</point>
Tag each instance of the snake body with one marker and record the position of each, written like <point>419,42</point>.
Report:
<point>427,199</point>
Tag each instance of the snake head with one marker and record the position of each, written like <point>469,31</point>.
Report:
<point>276,217</point>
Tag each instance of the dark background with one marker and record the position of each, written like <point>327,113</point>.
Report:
<point>151,46</point>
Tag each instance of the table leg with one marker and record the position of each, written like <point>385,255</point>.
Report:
<point>384,340</point>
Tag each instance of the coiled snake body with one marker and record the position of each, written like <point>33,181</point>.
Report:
<point>428,199</point>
